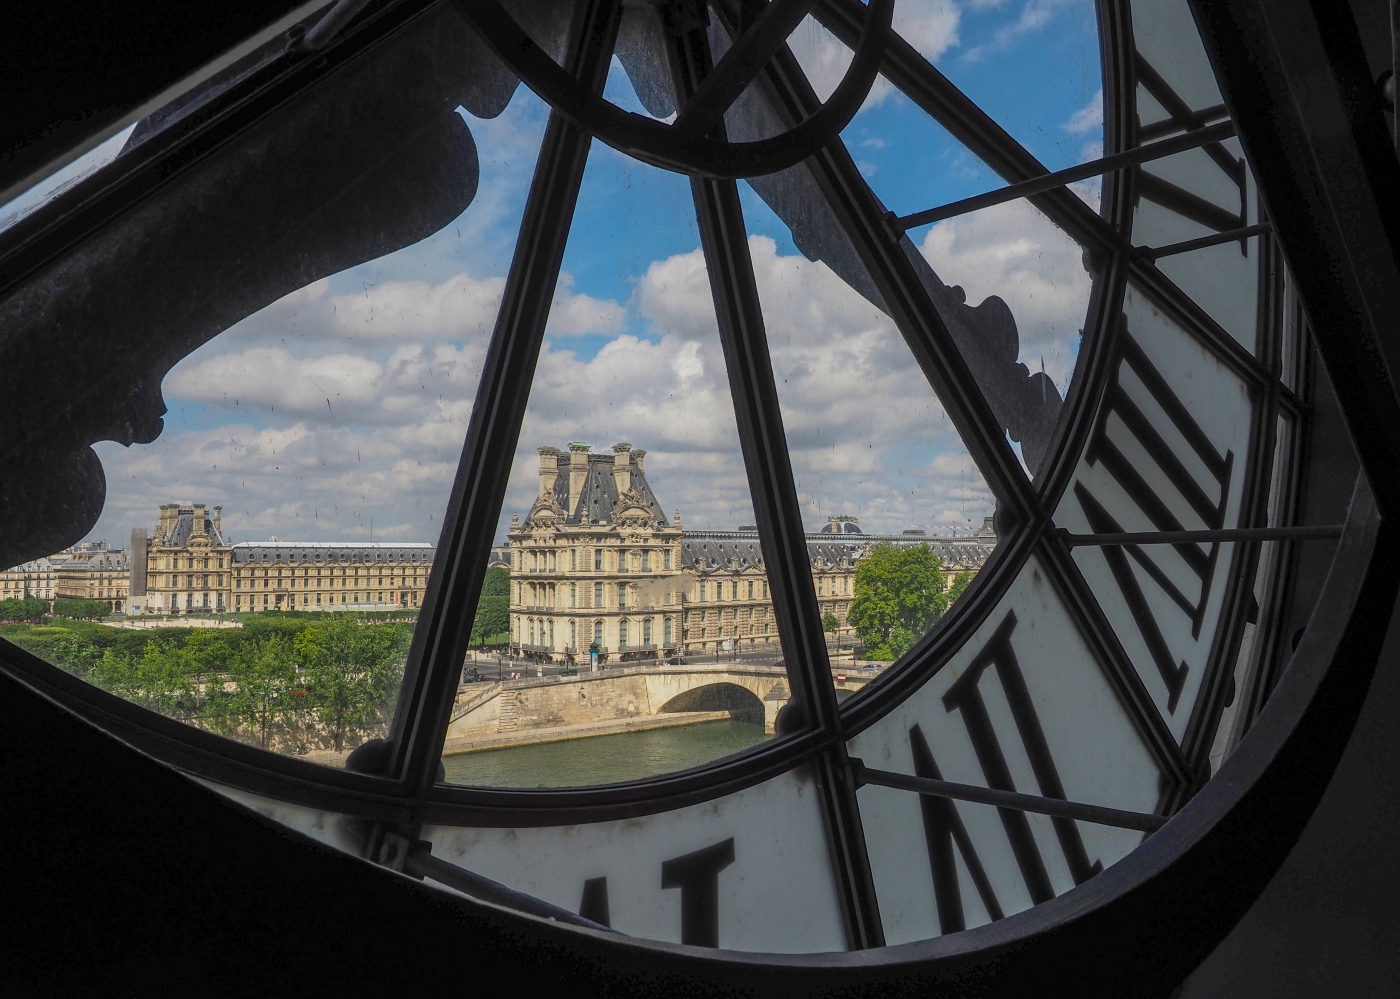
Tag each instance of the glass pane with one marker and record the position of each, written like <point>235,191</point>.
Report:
<point>1260,634</point>
<point>1023,706</point>
<point>1170,451</point>
<point>974,266</point>
<point>641,636</point>
<point>749,871</point>
<point>1035,70</point>
<point>257,559</point>
<point>1200,192</point>
<point>889,491</point>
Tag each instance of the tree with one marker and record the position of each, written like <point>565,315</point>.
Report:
<point>830,624</point>
<point>351,673</point>
<point>493,607</point>
<point>23,609</point>
<point>899,593</point>
<point>82,610</point>
<point>960,583</point>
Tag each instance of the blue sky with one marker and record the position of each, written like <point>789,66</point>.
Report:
<point>346,403</point>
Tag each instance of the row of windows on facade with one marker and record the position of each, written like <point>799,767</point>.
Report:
<point>545,594</point>
<point>623,560</point>
<point>540,633</point>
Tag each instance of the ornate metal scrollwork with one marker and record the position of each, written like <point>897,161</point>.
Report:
<point>689,144</point>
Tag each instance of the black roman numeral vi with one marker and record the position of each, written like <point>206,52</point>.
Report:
<point>943,827</point>
<point>1207,502</point>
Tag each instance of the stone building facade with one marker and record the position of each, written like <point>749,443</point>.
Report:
<point>189,566</point>
<point>95,573</point>
<point>31,580</point>
<point>313,576</point>
<point>596,563</point>
<point>187,563</point>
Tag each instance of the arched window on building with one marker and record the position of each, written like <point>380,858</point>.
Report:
<point>598,633</point>
<point>621,634</point>
<point>666,632</point>
<point>646,632</point>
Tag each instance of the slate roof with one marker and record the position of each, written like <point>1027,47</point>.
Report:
<point>599,494</point>
<point>283,552</point>
<point>112,560</point>
<point>184,527</point>
<point>710,550</point>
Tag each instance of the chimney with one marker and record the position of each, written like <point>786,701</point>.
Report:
<point>622,467</point>
<point>217,527</point>
<point>578,473</point>
<point>198,525</point>
<point>637,455</point>
<point>168,514</point>
<point>549,470</point>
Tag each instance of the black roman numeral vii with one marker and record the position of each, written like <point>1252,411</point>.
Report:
<point>1207,502</point>
<point>943,827</point>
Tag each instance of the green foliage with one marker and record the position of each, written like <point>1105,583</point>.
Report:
<point>492,608</point>
<point>492,618</point>
<point>900,592</point>
<point>257,690</point>
<point>830,624</point>
<point>960,583</point>
<point>351,673</point>
<point>23,609</point>
<point>82,610</point>
<point>496,583</point>
<point>272,677</point>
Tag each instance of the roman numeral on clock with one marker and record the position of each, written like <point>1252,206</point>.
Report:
<point>1173,197</point>
<point>943,827</point>
<point>1172,451</point>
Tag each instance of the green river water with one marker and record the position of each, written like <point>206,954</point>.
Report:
<point>603,759</point>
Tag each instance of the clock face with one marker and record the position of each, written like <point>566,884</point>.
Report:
<point>887,450</point>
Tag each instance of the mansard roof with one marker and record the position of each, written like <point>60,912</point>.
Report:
<point>283,552</point>
<point>714,549</point>
<point>105,560</point>
<point>599,495</point>
<point>179,536</point>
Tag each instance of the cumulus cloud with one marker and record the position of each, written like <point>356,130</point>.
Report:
<point>328,436</point>
<point>1015,252</point>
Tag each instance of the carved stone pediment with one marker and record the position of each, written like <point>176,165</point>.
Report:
<point>545,513</point>
<point>632,511</point>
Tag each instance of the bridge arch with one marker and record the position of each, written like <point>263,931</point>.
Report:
<point>742,703</point>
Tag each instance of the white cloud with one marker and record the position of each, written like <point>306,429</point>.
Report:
<point>866,433</point>
<point>931,26</point>
<point>1013,251</point>
<point>1087,119</point>
<point>1036,14</point>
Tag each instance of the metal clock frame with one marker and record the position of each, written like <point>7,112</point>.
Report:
<point>407,795</point>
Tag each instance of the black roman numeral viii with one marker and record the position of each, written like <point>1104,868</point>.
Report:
<point>943,827</point>
<point>1207,501</point>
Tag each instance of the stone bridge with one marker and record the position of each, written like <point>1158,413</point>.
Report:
<point>619,699</point>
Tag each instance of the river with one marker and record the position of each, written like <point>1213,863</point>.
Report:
<point>603,759</point>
